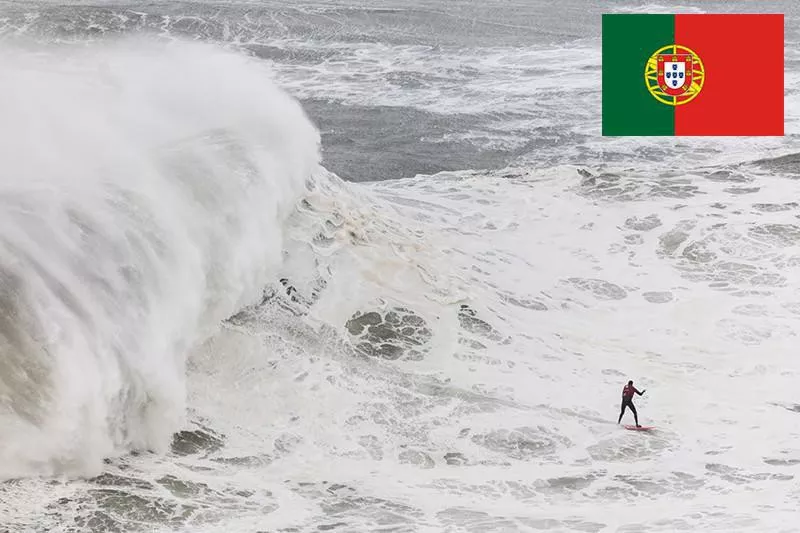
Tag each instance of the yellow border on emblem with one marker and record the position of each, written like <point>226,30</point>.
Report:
<point>651,77</point>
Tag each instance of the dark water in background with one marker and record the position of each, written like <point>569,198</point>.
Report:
<point>401,88</point>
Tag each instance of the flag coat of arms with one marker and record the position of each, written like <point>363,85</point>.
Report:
<point>697,74</point>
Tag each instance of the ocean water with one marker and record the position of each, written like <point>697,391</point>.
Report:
<point>370,266</point>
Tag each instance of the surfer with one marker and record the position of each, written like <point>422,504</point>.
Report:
<point>627,401</point>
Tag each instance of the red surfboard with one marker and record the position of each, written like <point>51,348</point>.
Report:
<point>641,428</point>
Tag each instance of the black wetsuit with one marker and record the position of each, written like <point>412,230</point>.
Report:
<point>627,401</point>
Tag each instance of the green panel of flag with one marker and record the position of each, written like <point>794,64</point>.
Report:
<point>628,42</point>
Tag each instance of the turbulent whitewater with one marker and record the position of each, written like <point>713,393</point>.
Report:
<point>143,191</point>
<point>335,267</point>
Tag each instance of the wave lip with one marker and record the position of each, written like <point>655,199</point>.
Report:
<point>142,194</point>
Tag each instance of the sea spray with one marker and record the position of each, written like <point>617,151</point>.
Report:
<point>142,190</point>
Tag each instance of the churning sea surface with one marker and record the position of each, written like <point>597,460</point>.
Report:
<point>363,266</point>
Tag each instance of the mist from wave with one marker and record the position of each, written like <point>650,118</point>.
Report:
<point>142,193</point>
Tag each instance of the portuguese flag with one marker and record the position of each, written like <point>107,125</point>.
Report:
<point>692,74</point>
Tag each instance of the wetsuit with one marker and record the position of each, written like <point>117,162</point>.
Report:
<point>627,401</point>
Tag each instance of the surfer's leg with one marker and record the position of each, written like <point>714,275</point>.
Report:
<point>621,412</point>
<point>635,415</point>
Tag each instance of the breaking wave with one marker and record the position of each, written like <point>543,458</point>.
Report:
<point>142,194</point>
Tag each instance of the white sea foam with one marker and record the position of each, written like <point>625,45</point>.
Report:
<point>509,420</point>
<point>143,192</point>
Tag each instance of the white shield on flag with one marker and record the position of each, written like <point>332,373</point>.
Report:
<point>674,74</point>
